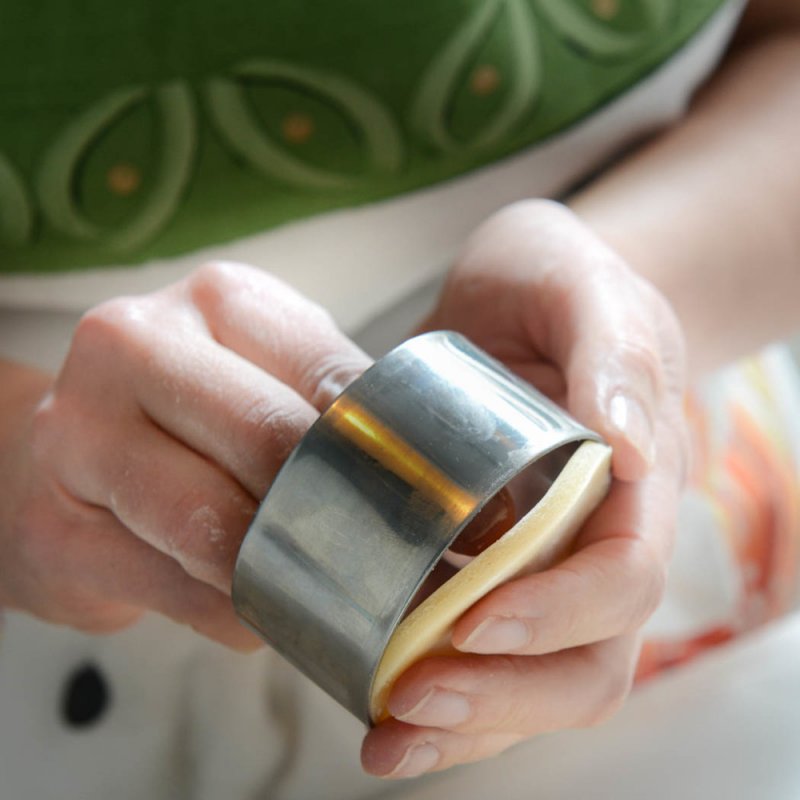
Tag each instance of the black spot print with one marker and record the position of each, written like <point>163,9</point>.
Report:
<point>85,698</point>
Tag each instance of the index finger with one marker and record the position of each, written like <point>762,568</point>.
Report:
<point>267,322</point>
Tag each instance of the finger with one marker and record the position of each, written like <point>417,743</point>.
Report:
<point>93,574</point>
<point>615,375</point>
<point>224,407</point>
<point>609,586</point>
<point>218,401</point>
<point>491,701</point>
<point>200,392</point>
<point>606,337</point>
<point>579,306</point>
<point>267,322</point>
<point>144,578</point>
<point>168,496</point>
<point>398,750</point>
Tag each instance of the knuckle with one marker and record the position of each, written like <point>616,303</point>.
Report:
<point>111,325</point>
<point>674,346</point>
<point>219,288</point>
<point>278,427</point>
<point>120,313</point>
<point>667,325</point>
<point>534,208</point>
<point>177,534</point>
<point>192,525</point>
<point>215,281</point>
<point>521,216</point>
<point>203,534</point>
<point>197,537</point>
<point>218,273</point>
<point>216,276</point>
<point>639,356</point>
<point>213,287</point>
<point>271,434</point>
<point>327,378</point>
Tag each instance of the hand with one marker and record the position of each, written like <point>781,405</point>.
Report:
<point>557,649</point>
<point>130,484</point>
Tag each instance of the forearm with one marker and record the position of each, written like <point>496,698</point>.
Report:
<point>710,212</point>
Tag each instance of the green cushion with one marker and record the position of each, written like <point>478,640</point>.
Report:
<point>141,130</point>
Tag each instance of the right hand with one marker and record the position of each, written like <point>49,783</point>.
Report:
<point>130,484</point>
<point>537,289</point>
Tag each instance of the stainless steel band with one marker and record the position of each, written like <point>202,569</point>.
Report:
<point>375,493</point>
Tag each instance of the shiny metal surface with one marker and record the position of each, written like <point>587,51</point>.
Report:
<point>365,506</point>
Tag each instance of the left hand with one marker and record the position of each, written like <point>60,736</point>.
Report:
<point>558,649</point>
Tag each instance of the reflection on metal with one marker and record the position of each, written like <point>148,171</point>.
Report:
<point>375,493</point>
<point>354,422</point>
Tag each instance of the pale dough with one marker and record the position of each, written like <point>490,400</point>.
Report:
<point>538,540</point>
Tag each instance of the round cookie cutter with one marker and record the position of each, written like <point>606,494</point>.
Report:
<point>362,511</point>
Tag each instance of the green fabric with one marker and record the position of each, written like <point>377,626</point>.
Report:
<point>141,130</point>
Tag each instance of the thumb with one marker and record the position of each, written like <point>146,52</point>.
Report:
<point>619,398</point>
<point>610,352</point>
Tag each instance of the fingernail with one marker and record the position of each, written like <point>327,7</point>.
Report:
<point>416,760</point>
<point>629,417</point>
<point>497,635</point>
<point>439,708</point>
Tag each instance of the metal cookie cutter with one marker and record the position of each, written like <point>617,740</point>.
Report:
<point>364,508</point>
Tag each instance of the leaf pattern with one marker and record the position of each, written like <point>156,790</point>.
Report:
<point>454,111</point>
<point>596,38</point>
<point>56,178</point>
<point>16,212</point>
<point>430,108</point>
<point>238,126</point>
